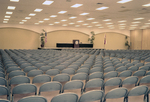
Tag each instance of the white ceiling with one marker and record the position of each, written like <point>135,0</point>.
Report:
<point>116,12</point>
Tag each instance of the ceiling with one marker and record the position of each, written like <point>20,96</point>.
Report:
<point>116,12</point>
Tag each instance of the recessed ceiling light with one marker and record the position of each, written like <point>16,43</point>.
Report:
<point>77,25</point>
<point>98,25</point>
<point>51,24</point>
<point>27,17</point>
<point>64,25</point>
<point>121,28</point>
<point>110,26</point>
<point>11,7</point>
<point>41,21</point>
<point>146,5</point>
<point>124,1</point>
<point>84,13</point>
<point>147,23</point>
<point>46,19</point>
<point>131,28</point>
<point>94,22</point>
<point>122,21</point>
<point>109,23</point>
<point>107,20</point>
<point>32,14</point>
<point>6,19</point>
<point>5,22</point>
<point>138,18</point>
<point>90,19</point>
<point>7,16</point>
<point>38,10</point>
<point>71,23</point>
<point>133,25</point>
<point>72,17</point>
<point>21,22</point>
<point>56,22</point>
<point>102,8</point>
<point>85,24</point>
<point>89,26</point>
<point>64,20</point>
<point>14,0</point>
<point>76,5</point>
<point>79,21</point>
<point>62,12</point>
<point>136,22</point>
<point>24,20</point>
<point>36,23</point>
<point>9,12</point>
<point>122,24</point>
<point>47,2</point>
<point>53,16</point>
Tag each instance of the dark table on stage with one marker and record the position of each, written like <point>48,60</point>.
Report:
<point>72,45</point>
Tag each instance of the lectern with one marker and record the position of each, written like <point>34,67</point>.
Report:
<point>76,43</point>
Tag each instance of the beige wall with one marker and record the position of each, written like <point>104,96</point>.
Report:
<point>65,36</point>
<point>15,38</point>
<point>136,39</point>
<point>114,41</point>
<point>146,39</point>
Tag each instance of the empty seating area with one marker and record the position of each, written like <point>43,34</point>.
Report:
<point>74,75</point>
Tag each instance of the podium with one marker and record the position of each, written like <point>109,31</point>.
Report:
<point>75,43</point>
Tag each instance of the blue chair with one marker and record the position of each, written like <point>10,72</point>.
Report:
<point>12,69</point>
<point>108,69</point>
<point>122,68</point>
<point>133,68</point>
<point>96,69</point>
<point>61,78</point>
<point>83,70</point>
<point>118,94</point>
<point>130,82</point>
<point>52,72</point>
<point>50,89</point>
<point>94,84</point>
<point>33,99</point>
<point>65,97</point>
<point>147,68</point>
<point>145,80</point>
<point>2,70</point>
<point>29,68</point>
<point>4,93</point>
<point>80,76</point>
<point>112,83</point>
<point>40,79</point>
<point>139,73</point>
<point>69,71</point>
<point>110,74</point>
<point>75,86</point>
<point>3,81</point>
<point>96,75</point>
<point>45,68</point>
<point>2,75</point>
<point>23,90</point>
<point>31,74</point>
<point>125,74</point>
<point>138,94</point>
<point>23,65</point>
<point>15,73</point>
<point>93,95</point>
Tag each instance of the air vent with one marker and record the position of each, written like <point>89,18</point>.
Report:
<point>126,10</point>
<point>144,11</point>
